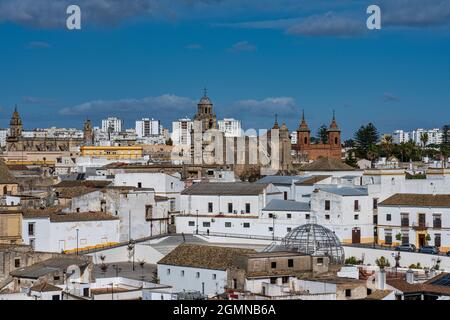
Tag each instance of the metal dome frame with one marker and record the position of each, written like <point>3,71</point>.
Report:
<point>315,239</point>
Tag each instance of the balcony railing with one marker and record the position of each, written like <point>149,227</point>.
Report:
<point>405,223</point>
<point>437,224</point>
<point>420,226</point>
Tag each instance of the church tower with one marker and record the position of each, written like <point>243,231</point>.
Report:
<point>334,134</point>
<point>88,133</point>
<point>15,125</point>
<point>303,134</point>
<point>205,113</point>
<point>285,148</point>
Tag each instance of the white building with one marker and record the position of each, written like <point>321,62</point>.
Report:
<point>3,134</point>
<point>164,185</point>
<point>230,127</point>
<point>198,268</point>
<point>56,232</point>
<point>112,124</point>
<point>148,127</point>
<point>419,219</point>
<point>435,136</point>
<point>181,132</point>
<point>400,136</point>
<point>142,214</point>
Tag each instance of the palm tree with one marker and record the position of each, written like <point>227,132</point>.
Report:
<point>424,139</point>
<point>387,145</point>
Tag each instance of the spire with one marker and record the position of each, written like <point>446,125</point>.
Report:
<point>303,125</point>
<point>205,92</point>
<point>333,125</point>
<point>275,126</point>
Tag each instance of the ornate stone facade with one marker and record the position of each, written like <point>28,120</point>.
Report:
<point>17,142</point>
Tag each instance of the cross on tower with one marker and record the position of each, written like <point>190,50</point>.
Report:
<point>205,92</point>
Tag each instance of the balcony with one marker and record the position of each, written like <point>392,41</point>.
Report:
<point>405,223</point>
<point>437,224</point>
<point>420,226</point>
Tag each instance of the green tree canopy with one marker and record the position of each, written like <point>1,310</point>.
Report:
<point>366,139</point>
<point>322,134</point>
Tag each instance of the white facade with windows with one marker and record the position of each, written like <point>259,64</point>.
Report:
<point>181,132</point>
<point>230,127</point>
<point>112,123</point>
<point>148,127</point>
<point>402,219</point>
<point>56,236</point>
<point>206,281</point>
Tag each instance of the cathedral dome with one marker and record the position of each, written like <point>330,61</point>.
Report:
<point>205,100</point>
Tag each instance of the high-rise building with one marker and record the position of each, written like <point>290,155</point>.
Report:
<point>230,127</point>
<point>181,132</point>
<point>148,127</point>
<point>112,124</point>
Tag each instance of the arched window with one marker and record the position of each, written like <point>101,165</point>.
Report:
<point>306,140</point>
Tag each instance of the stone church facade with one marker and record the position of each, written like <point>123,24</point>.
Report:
<point>306,151</point>
<point>17,142</point>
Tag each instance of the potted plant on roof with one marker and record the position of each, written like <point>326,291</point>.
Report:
<point>382,262</point>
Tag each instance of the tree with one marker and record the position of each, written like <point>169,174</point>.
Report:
<point>387,147</point>
<point>424,139</point>
<point>322,134</point>
<point>382,262</point>
<point>366,139</point>
<point>351,160</point>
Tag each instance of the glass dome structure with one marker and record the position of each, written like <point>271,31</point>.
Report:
<point>314,239</point>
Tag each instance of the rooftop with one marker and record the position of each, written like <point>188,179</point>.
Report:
<point>345,191</point>
<point>286,205</point>
<point>417,200</point>
<point>326,164</point>
<point>225,188</point>
<point>58,216</point>
<point>45,287</point>
<point>52,265</point>
<point>203,256</point>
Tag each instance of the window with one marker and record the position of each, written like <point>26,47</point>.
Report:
<point>273,280</point>
<point>56,278</point>
<point>31,228</point>
<point>246,224</point>
<point>388,217</point>
<point>270,229</point>
<point>210,207</point>
<point>148,212</point>
<point>288,229</point>
<point>356,205</point>
<point>227,224</point>
<point>182,273</point>
<point>388,236</point>
<point>289,216</point>
<point>206,224</point>
<point>285,279</point>
<point>271,215</point>
<point>78,210</point>
<point>375,203</point>
<point>214,276</point>
<point>55,297</point>
<point>404,219</point>
<point>307,216</point>
<point>319,261</point>
<point>247,208</point>
<point>17,263</point>
<point>405,237</point>
<point>437,239</point>
<point>191,223</point>
<point>285,194</point>
<point>290,263</point>
<point>197,275</point>
<point>273,264</point>
<point>356,216</point>
<point>139,185</point>
<point>327,205</point>
<point>230,208</point>
<point>327,217</point>
<point>437,222</point>
<point>168,271</point>
<point>348,292</point>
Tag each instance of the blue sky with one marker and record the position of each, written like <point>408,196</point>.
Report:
<point>152,58</point>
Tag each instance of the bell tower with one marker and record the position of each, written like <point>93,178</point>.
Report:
<point>334,134</point>
<point>88,133</point>
<point>205,113</point>
<point>303,134</point>
<point>15,125</point>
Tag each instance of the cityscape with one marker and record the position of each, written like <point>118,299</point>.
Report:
<point>240,192</point>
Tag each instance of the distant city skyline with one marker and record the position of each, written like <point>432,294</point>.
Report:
<point>257,59</point>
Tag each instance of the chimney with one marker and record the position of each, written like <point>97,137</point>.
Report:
<point>381,280</point>
<point>410,276</point>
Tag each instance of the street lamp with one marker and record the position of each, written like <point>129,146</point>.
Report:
<point>77,239</point>
<point>196,231</point>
